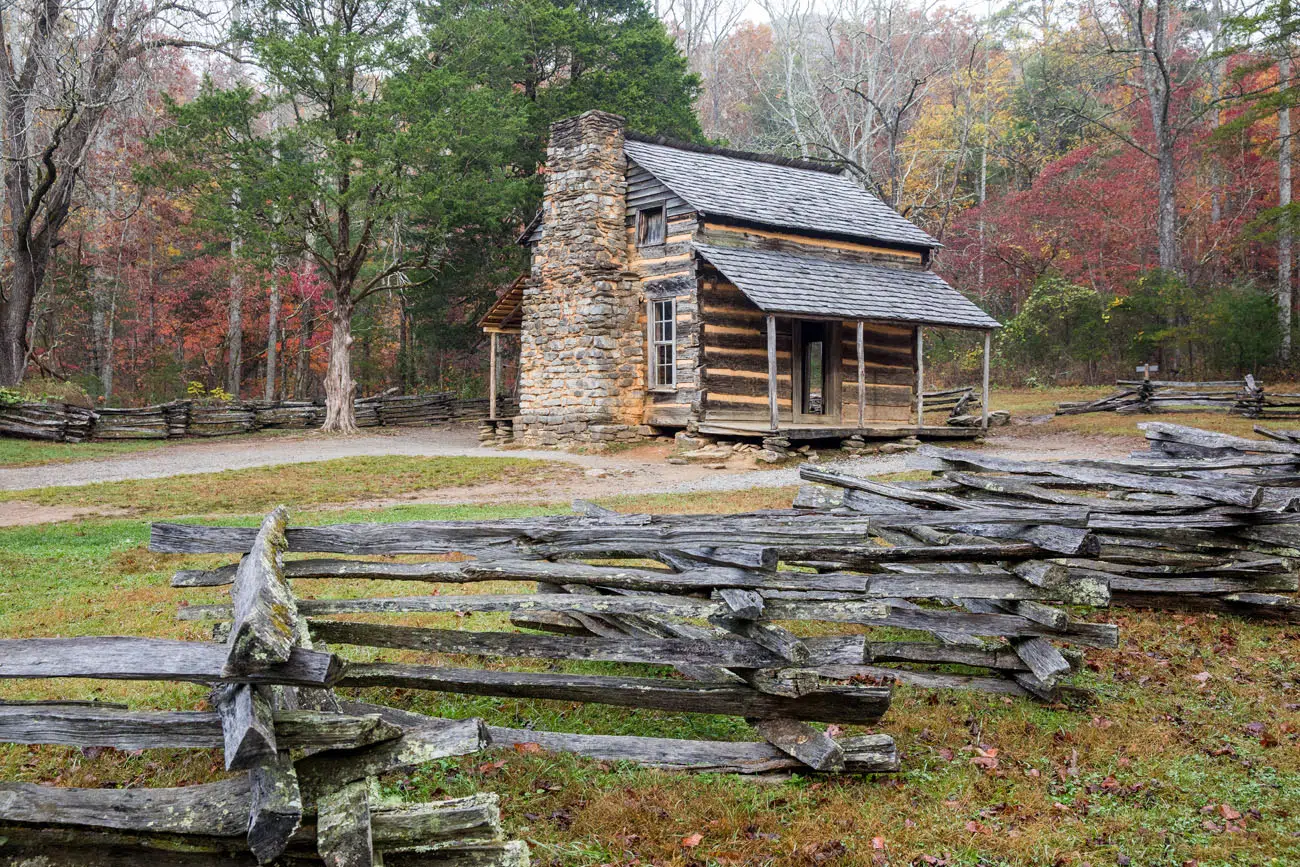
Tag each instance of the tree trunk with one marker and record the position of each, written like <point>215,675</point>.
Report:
<point>303,373</point>
<point>272,335</point>
<point>340,389</point>
<point>235,326</point>
<point>103,314</point>
<point>1167,213</point>
<point>1285,235</point>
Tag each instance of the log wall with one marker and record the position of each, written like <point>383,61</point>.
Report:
<point>735,374</point>
<point>889,355</point>
<point>720,235</point>
<point>667,271</point>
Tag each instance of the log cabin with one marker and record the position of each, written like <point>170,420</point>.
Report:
<point>680,286</point>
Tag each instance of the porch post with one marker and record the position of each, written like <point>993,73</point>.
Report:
<point>920,379</point>
<point>984,399</point>
<point>492,376</point>
<point>771,372</point>
<point>862,380</point>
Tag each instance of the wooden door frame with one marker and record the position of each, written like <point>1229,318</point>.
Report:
<point>831,386</point>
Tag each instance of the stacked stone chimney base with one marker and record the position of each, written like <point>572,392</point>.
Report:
<point>582,353</point>
<point>559,430</point>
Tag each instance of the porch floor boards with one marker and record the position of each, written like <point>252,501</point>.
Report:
<point>839,432</point>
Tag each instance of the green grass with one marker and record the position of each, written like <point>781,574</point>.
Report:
<point>1140,774</point>
<point>1026,402</point>
<point>32,453</point>
<point>343,480</point>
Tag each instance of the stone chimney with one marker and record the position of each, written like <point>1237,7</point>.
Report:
<point>582,347</point>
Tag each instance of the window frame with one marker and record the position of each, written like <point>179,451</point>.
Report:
<point>643,225</point>
<point>656,342</point>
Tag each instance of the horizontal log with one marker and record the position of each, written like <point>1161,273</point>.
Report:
<point>732,652</point>
<point>865,754</point>
<point>88,726</point>
<point>124,658</point>
<point>928,679</point>
<point>212,809</point>
<point>655,604</point>
<point>1232,494</point>
<point>697,579</point>
<point>862,705</point>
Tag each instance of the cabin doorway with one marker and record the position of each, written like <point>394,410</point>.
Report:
<point>813,366</point>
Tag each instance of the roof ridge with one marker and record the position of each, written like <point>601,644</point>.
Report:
<point>749,156</point>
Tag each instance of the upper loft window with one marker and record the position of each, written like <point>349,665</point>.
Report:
<point>651,226</point>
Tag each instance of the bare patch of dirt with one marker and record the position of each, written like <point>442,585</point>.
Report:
<point>20,514</point>
<point>1036,445</point>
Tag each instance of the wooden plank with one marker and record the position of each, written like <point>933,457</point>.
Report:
<point>655,651</point>
<point>920,376</point>
<point>438,827</point>
<point>212,809</point>
<point>862,377</point>
<point>845,704</point>
<point>124,658</point>
<point>275,807</point>
<point>656,604</point>
<point>265,621</point>
<point>247,725</point>
<point>863,754</point>
<point>423,740</point>
<point>773,411</point>
<point>1218,491</point>
<point>984,379</point>
<point>88,725</point>
<point>343,832</point>
<point>699,578</point>
<point>742,604</point>
<point>809,745</point>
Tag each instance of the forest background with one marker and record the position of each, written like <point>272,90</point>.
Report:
<point>322,196</point>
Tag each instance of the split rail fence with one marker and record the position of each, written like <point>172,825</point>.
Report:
<point>712,603</point>
<point>60,422</point>
<point>273,699</point>
<point>1200,521</point>
<point>1243,397</point>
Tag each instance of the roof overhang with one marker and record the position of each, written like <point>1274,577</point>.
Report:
<point>505,316</point>
<point>816,288</point>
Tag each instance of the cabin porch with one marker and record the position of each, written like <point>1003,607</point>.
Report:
<point>813,432</point>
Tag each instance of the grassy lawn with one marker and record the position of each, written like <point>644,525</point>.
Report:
<point>1189,755</point>
<point>32,453</point>
<point>1027,402</point>
<point>343,480</point>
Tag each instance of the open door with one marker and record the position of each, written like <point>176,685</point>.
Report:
<point>814,365</point>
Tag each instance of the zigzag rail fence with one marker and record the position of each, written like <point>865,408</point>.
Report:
<point>62,422</point>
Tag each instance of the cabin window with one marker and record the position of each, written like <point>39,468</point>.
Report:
<point>663,343</point>
<point>651,226</point>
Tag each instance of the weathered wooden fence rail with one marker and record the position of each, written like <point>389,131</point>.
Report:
<point>1239,396</point>
<point>1199,521</point>
<point>60,422</point>
<point>272,695</point>
<point>722,599</point>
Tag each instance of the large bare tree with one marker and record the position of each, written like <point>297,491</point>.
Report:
<point>64,66</point>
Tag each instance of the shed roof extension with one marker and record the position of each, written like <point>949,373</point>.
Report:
<point>779,282</point>
<point>785,194</point>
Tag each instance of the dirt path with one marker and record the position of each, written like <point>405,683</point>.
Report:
<point>638,471</point>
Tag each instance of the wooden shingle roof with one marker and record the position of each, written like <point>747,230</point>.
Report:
<point>782,194</point>
<point>506,313</point>
<point>779,282</point>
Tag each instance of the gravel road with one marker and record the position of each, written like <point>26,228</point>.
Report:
<point>641,471</point>
<point>622,473</point>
